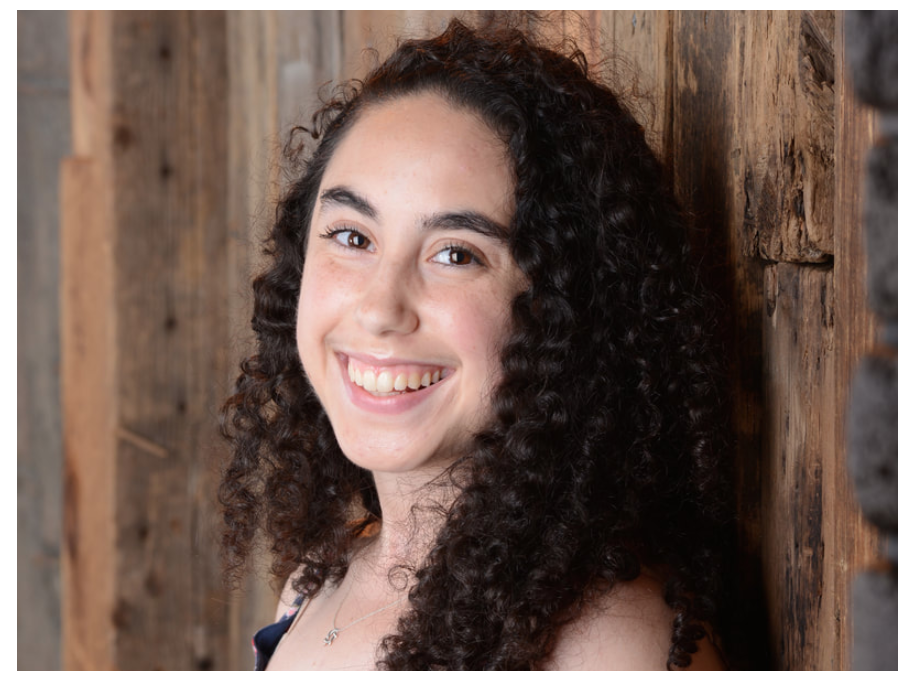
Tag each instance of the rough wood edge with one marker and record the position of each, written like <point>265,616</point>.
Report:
<point>855,335</point>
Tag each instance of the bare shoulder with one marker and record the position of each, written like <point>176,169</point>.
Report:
<point>629,628</point>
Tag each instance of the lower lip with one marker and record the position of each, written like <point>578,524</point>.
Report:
<point>383,404</point>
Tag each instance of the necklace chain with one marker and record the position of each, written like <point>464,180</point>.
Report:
<point>335,631</point>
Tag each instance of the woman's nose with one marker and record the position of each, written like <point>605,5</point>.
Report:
<point>388,304</point>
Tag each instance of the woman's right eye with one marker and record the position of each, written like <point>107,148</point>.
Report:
<point>349,238</point>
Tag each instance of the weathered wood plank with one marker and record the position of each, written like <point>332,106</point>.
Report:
<point>742,111</point>
<point>783,75</point>
<point>143,579</point>
<point>169,104</point>
<point>87,356</point>
<point>309,55</point>
<point>855,335</point>
<point>639,44</point>
<point>704,147</point>
<point>379,30</point>
<point>799,450</point>
<point>734,126</point>
<point>583,29</point>
<point>88,399</point>
<point>253,184</point>
<point>43,138</point>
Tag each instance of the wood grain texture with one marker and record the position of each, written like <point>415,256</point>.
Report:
<point>88,356</point>
<point>252,151</point>
<point>177,124</point>
<point>855,331</point>
<point>704,146</point>
<point>752,103</point>
<point>782,70</point>
<point>88,403</point>
<point>309,54</point>
<point>369,36</point>
<point>151,111</point>
<point>639,50</point>
<point>169,107</point>
<point>776,72</point>
<point>799,453</point>
<point>43,138</point>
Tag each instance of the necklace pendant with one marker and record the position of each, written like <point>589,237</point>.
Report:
<point>331,635</point>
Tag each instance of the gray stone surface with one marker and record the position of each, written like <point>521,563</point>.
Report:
<point>873,440</point>
<point>872,50</point>
<point>881,220</point>
<point>875,610</point>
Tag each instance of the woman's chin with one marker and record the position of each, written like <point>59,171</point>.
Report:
<point>395,459</point>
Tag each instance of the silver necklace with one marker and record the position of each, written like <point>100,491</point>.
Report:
<point>335,631</point>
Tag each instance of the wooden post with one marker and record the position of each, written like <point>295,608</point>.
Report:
<point>87,354</point>
<point>640,69</point>
<point>756,138</point>
<point>145,336</point>
<point>43,137</point>
<point>855,330</point>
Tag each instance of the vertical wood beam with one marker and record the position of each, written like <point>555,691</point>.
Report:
<point>855,331</point>
<point>145,332</point>
<point>640,52</point>
<point>43,137</point>
<point>798,320</point>
<point>379,30</point>
<point>800,460</point>
<point>88,354</point>
<point>252,180</point>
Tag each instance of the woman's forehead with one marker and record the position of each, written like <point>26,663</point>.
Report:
<point>420,149</point>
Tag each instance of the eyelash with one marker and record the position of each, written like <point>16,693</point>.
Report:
<point>474,259</point>
<point>332,234</point>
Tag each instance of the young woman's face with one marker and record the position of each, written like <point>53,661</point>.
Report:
<point>407,285</point>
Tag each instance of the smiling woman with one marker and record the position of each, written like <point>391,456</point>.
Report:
<point>402,283</point>
<point>481,429</point>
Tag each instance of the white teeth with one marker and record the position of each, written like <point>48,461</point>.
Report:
<point>387,383</point>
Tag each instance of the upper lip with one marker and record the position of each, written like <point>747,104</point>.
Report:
<point>388,361</point>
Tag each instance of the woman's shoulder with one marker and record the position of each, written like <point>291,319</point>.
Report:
<point>627,628</point>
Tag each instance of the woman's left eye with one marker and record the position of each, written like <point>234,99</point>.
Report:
<point>456,255</point>
<point>349,238</point>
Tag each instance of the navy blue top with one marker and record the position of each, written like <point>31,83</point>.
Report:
<point>267,639</point>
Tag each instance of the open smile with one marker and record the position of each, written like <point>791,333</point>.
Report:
<point>376,383</point>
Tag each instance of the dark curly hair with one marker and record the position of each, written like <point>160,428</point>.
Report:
<point>604,452</point>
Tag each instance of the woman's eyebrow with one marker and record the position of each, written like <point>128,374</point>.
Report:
<point>471,221</point>
<point>341,196</point>
<point>468,220</point>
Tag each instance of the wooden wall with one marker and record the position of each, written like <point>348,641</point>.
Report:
<point>145,337</point>
<point>43,137</point>
<point>176,125</point>
<point>765,132</point>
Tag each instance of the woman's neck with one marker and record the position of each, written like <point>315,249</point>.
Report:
<point>413,509</point>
